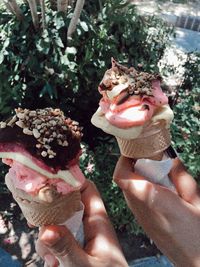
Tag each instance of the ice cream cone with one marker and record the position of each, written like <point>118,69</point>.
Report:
<point>152,142</point>
<point>135,110</point>
<point>46,208</point>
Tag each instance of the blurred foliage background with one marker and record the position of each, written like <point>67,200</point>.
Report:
<point>41,67</point>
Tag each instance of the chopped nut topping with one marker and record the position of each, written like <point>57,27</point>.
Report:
<point>20,124</point>
<point>36,133</point>
<point>65,143</point>
<point>27,131</point>
<point>138,82</point>
<point>44,154</point>
<point>2,125</point>
<point>12,121</point>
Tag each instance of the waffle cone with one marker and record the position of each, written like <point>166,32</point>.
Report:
<point>48,207</point>
<point>152,142</point>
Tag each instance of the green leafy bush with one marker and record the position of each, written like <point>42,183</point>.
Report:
<point>40,68</point>
<point>186,124</point>
<point>192,69</point>
<point>186,129</point>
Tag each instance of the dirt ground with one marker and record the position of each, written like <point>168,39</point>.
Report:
<point>19,240</point>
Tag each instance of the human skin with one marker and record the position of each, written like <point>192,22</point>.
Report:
<point>170,219</point>
<point>102,248</point>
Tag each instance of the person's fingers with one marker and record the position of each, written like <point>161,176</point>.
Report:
<point>50,261</point>
<point>61,243</point>
<point>130,182</point>
<point>124,173</point>
<point>185,184</point>
<point>96,222</point>
<point>139,192</point>
<point>45,254</point>
<point>92,200</point>
<point>99,232</point>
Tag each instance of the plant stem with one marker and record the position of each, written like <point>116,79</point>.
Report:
<point>33,7</point>
<point>75,18</point>
<point>62,5</point>
<point>14,8</point>
<point>42,4</point>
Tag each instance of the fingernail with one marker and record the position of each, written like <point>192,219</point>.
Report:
<point>49,259</point>
<point>50,237</point>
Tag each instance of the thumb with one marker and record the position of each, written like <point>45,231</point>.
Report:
<point>134,186</point>
<point>124,172</point>
<point>61,243</point>
<point>129,181</point>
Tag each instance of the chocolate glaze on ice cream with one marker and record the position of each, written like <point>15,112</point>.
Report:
<point>45,133</point>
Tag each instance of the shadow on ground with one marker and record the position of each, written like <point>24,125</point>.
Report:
<point>15,236</point>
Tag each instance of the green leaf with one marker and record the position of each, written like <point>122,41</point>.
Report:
<point>59,21</point>
<point>71,50</point>
<point>64,60</point>
<point>43,46</point>
<point>59,42</point>
<point>1,57</point>
<point>84,26</point>
<point>39,46</point>
<point>72,65</point>
<point>16,77</point>
<point>50,90</point>
<point>6,43</point>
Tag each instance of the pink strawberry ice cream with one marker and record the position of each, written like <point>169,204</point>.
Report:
<point>130,101</point>
<point>31,181</point>
<point>136,110</point>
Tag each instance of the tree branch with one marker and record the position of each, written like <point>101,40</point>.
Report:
<point>75,18</point>
<point>9,7</point>
<point>33,8</point>
<point>42,4</point>
<point>62,5</point>
<point>14,8</point>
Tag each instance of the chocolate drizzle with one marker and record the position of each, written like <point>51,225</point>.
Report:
<point>45,133</point>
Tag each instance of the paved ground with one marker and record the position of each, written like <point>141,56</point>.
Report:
<point>191,8</point>
<point>187,40</point>
<point>151,262</point>
<point>7,261</point>
<point>184,16</point>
